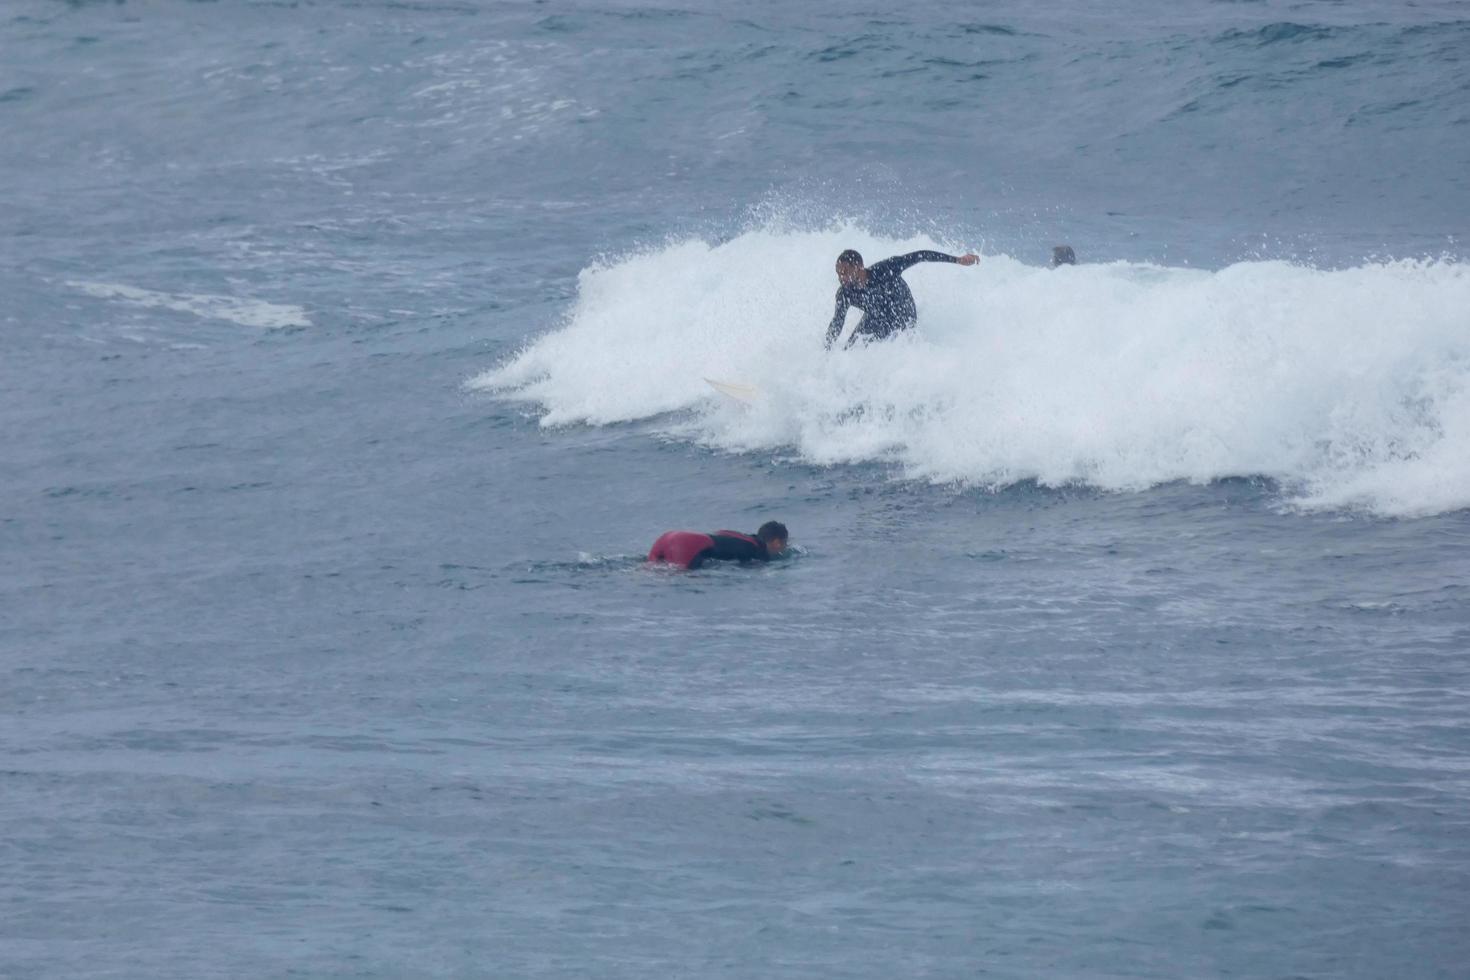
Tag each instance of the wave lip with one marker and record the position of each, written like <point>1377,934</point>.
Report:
<point>1350,388</point>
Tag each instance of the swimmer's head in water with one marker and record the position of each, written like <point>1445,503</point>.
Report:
<point>773,535</point>
<point>1063,255</point>
<point>850,270</point>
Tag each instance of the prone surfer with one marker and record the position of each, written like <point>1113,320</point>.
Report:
<point>880,292</point>
<point>690,549</point>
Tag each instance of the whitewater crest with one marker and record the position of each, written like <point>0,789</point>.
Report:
<point>1350,387</point>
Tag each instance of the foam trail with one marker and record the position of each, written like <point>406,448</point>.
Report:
<point>245,312</point>
<point>1351,387</point>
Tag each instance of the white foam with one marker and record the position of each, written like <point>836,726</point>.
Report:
<point>1352,387</point>
<point>235,309</point>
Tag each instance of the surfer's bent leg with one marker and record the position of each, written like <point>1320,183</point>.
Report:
<point>683,548</point>
<point>878,328</point>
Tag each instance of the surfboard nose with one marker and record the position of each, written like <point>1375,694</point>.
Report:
<point>744,393</point>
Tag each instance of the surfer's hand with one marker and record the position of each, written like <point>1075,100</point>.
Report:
<point>970,259</point>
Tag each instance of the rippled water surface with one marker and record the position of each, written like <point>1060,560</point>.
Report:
<point>355,354</point>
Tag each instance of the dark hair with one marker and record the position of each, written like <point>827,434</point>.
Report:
<point>771,531</point>
<point>850,257</point>
<point>1063,255</point>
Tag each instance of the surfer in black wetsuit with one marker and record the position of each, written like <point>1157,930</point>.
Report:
<point>880,292</point>
<point>690,549</point>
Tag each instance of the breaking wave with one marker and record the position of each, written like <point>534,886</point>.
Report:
<point>1350,387</point>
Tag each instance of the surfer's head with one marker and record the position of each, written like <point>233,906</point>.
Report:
<point>1063,255</point>
<point>850,271</point>
<point>773,535</point>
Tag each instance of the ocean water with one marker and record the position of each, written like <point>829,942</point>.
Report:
<point>354,354</point>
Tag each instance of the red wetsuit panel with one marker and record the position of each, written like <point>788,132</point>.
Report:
<point>680,547</point>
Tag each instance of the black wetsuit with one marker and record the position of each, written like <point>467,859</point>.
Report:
<point>885,300</point>
<point>734,546</point>
<point>692,549</point>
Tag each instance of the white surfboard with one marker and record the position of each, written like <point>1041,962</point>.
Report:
<point>743,393</point>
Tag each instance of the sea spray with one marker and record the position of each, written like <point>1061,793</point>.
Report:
<point>1351,387</point>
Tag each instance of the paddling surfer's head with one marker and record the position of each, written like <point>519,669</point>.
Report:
<point>772,534</point>
<point>850,271</point>
<point>1063,255</point>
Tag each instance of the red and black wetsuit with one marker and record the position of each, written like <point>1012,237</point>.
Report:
<point>885,300</point>
<point>692,549</point>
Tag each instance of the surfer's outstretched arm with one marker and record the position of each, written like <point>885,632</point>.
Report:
<point>838,318</point>
<point>901,262</point>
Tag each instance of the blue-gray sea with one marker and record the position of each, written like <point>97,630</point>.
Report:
<point>354,352</point>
